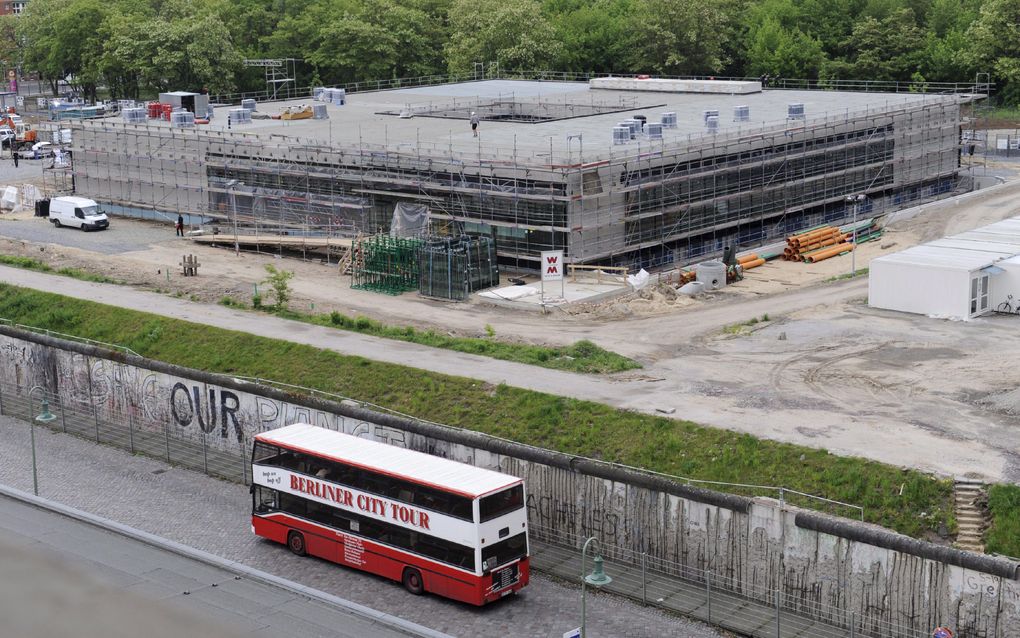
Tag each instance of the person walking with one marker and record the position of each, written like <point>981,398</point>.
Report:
<point>474,123</point>
<point>16,154</point>
<point>180,225</point>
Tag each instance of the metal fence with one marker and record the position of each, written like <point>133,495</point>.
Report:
<point>84,420</point>
<point>725,601</point>
<point>868,86</point>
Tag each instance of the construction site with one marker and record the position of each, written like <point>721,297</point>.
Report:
<point>634,173</point>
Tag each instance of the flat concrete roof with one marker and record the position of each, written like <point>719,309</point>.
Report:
<point>360,121</point>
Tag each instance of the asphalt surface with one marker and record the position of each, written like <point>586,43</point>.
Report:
<point>115,240</point>
<point>60,576</point>
<point>214,516</point>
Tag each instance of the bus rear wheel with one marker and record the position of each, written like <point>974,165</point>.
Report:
<point>413,582</point>
<point>296,543</point>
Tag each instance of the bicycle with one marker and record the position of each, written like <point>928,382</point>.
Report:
<point>1006,307</point>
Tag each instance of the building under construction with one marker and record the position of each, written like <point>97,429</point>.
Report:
<point>615,171</point>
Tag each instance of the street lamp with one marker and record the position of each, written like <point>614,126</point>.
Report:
<point>233,208</point>
<point>597,577</point>
<point>854,201</point>
<point>44,417</point>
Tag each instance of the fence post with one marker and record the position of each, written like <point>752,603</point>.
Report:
<point>777,613</point>
<point>166,432</point>
<point>95,416</point>
<point>708,594</point>
<point>644,580</point>
<point>205,452</point>
<point>853,624</point>
<point>244,467</point>
<point>63,415</point>
<point>1,399</point>
<point>131,429</point>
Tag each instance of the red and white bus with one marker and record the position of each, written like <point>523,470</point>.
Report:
<point>434,524</point>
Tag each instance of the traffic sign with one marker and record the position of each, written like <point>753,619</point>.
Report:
<point>573,633</point>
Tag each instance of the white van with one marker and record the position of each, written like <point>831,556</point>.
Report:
<point>77,212</point>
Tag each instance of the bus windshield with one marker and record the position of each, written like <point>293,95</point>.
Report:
<point>500,503</point>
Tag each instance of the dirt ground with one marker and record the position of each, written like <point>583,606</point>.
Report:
<point>825,370</point>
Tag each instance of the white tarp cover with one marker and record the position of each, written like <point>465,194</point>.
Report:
<point>9,199</point>
<point>639,280</point>
<point>409,220</point>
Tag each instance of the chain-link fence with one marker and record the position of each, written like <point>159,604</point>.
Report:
<point>722,600</point>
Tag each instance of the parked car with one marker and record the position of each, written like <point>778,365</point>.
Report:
<point>6,135</point>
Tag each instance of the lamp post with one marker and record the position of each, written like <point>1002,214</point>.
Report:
<point>44,417</point>
<point>233,208</point>
<point>854,201</point>
<point>597,577</point>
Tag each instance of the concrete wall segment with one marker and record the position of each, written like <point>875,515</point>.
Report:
<point>823,565</point>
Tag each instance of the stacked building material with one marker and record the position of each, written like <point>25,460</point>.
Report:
<point>453,267</point>
<point>747,262</point>
<point>388,264</point>
<point>798,247</point>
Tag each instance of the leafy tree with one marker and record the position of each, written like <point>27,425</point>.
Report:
<point>888,49</point>
<point>993,45</point>
<point>684,37</point>
<point>595,36</point>
<point>512,33</point>
<point>62,42</point>
<point>782,52</point>
<point>279,280</point>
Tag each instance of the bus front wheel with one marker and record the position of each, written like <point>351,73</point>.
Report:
<point>413,582</point>
<point>296,543</point>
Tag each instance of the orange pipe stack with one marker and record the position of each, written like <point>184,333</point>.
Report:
<point>754,263</point>
<point>821,255</point>
<point>798,245</point>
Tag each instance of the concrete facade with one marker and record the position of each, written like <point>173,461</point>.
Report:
<point>825,566</point>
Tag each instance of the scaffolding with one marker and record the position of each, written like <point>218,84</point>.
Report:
<point>454,267</point>
<point>648,203</point>
<point>387,264</point>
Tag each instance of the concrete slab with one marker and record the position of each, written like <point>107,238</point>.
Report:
<point>359,122</point>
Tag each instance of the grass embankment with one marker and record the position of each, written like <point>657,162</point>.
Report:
<point>904,500</point>
<point>583,356</point>
<point>33,264</point>
<point>1003,537</point>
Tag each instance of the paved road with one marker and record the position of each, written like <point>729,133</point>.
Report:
<point>214,516</point>
<point>76,580</point>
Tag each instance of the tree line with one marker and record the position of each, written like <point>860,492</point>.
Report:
<point>135,48</point>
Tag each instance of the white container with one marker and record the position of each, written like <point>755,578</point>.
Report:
<point>795,111</point>
<point>319,112</point>
<point>712,274</point>
<point>654,130</point>
<point>669,119</point>
<point>712,124</point>
<point>741,113</point>
<point>248,104</point>
<point>621,134</point>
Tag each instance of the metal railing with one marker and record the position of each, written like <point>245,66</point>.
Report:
<point>798,84</point>
<point>759,610</point>
<point>719,599</point>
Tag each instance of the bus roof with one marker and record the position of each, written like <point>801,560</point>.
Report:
<point>452,476</point>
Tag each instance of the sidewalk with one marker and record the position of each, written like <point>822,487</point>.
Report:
<point>213,515</point>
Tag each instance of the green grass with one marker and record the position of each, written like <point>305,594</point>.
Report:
<point>583,356</point>
<point>744,327</point>
<point>33,264</point>
<point>893,497</point>
<point>1003,537</point>
<point>860,272</point>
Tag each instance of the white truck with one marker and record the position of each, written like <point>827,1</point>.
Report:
<point>77,212</point>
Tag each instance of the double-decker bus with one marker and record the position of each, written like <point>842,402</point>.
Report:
<point>434,524</point>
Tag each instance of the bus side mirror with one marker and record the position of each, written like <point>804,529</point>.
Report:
<point>251,489</point>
